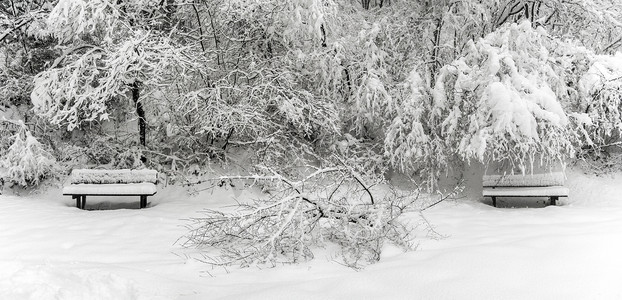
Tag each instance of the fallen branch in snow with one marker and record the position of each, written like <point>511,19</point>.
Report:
<point>300,214</point>
<point>358,179</point>
<point>457,190</point>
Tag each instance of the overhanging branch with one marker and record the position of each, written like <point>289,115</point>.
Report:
<point>10,30</point>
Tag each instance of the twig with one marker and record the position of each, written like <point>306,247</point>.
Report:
<point>20,25</point>
<point>356,176</point>
<point>456,190</point>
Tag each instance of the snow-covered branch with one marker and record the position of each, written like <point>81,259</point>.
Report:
<point>284,228</point>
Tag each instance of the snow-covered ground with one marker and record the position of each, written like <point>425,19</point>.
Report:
<point>51,250</point>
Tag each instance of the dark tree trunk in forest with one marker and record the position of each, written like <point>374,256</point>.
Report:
<point>365,3</point>
<point>142,125</point>
<point>436,50</point>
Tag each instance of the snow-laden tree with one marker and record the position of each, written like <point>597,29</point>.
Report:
<point>496,103</point>
<point>427,132</point>
<point>601,103</point>
<point>22,56</point>
<point>260,91</point>
<point>207,74</point>
<point>110,51</point>
<point>26,161</point>
<point>596,24</point>
<point>593,23</point>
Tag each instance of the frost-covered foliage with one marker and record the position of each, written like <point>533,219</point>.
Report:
<point>601,104</point>
<point>418,86</point>
<point>91,148</point>
<point>243,87</point>
<point>496,102</point>
<point>26,162</point>
<point>90,77</point>
<point>261,89</point>
<point>499,100</point>
<point>412,142</point>
<point>596,24</point>
<point>82,89</point>
<point>22,56</point>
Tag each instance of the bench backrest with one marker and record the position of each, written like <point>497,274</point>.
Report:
<point>544,179</point>
<point>89,176</point>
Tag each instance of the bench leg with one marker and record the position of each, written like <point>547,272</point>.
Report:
<point>83,201</point>
<point>554,200</point>
<point>78,198</point>
<point>494,201</point>
<point>143,201</point>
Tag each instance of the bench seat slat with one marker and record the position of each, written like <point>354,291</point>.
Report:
<point>129,189</point>
<point>546,191</point>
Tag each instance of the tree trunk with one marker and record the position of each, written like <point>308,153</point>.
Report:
<point>142,125</point>
<point>436,50</point>
<point>365,3</point>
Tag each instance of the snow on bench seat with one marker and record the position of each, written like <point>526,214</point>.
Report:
<point>549,185</point>
<point>113,176</point>
<point>125,182</point>
<point>545,179</point>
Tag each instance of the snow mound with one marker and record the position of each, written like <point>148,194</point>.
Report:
<point>19,281</point>
<point>79,176</point>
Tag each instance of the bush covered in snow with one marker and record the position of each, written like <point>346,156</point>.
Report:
<point>26,162</point>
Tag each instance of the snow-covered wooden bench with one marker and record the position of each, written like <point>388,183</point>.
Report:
<point>86,182</point>
<point>549,185</point>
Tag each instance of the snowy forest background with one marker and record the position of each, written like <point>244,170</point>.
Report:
<point>318,98</point>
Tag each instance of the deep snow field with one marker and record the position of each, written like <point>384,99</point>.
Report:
<point>51,250</point>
